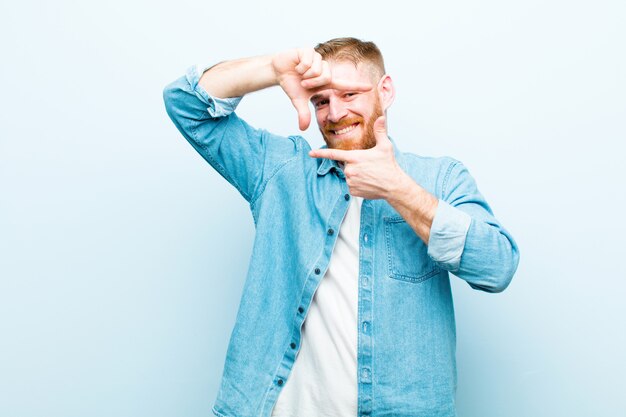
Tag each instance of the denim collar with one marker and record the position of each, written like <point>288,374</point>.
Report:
<point>327,164</point>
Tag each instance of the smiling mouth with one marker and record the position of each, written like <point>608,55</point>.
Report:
<point>345,130</point>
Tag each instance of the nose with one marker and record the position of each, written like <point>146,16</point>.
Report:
<point>336,110</point>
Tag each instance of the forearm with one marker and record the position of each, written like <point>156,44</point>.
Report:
<point>239,77</point>
<point>416,205</point>
<point>466,238</point>
<point>478,251</point>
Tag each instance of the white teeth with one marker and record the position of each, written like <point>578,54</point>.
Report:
<point>344,130</point>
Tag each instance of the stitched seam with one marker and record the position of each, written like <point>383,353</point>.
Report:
<point>311,270</point>
<point>214,162</point>
<point>388,245</point>
<point>217,413</point>
<point>359,305</point>
<point>263,186</point>
<point>402,277</point>
<point>391,268</point>
<point>446,177</point>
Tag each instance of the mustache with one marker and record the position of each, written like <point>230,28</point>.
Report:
<point>343,124</point>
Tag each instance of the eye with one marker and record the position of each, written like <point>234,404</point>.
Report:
<point>320,103</point>
<point>349,95</point>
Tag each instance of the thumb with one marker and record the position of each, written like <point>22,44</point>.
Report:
<point>304,114</point>
<point>380,129</point>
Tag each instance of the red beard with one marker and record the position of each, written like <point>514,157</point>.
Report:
<point>367,139</point>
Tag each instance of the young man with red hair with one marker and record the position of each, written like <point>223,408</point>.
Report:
<point>347,308</point>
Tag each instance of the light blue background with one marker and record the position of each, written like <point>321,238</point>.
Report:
<point>122,254</point>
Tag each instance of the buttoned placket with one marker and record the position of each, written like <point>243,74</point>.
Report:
<point>364,345</point>
<point>338,214</point>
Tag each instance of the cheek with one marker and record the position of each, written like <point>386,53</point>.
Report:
<point>320,117</point>
<point>362,109</point>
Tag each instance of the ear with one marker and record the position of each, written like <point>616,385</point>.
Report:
<point>386,91</point>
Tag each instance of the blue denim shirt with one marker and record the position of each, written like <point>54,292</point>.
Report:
<point>406,329</point>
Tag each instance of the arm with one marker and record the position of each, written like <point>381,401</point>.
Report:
<point>416,205</point>
<point>459,228</point>
<point>299,72</point>
<point>461,232</point>
<point>375,174</point>
<point>245,156</point>
<point>466,238</point>
<point>239,77</point>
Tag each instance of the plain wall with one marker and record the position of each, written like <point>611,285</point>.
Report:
<point>123,254</point>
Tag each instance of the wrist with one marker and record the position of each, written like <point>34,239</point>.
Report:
<point>273,66</point>
<point>400,186</point>
<point>406,193</point>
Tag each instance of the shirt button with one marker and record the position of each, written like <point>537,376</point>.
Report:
<point>300,310</point>
<point>366,281</point>
<point>366,327</point>
<point>347,197</point>
<point>293,345</point>
<point>365,237</point>
<point>330,232</point>
<point>317,271</point>
<point>280,382</point>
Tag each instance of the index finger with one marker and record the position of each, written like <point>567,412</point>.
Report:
<point>336,84</point>
<point>351,85</point>
<point>336,154</point>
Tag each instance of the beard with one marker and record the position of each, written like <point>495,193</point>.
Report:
<point>367,139</point>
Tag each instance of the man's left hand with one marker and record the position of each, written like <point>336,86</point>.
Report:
<point>370,173</point>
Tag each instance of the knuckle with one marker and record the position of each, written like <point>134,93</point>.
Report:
<point>315,72</point>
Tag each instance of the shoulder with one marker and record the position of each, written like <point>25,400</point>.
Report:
<point>286,151</point>
<point>413,162</point>
<point>302,144</point>
<point>433,173</point>
<point>434,161</point>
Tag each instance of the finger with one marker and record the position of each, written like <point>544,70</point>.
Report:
<point>323,79</point>
<point>304,113</point>
<point>315,85</point>
<point>315,69</point>
<point>306,59</point>
<point>351,85</point>
<point>335,154</point>
<point>380,129</point>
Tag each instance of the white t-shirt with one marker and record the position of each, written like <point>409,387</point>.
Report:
<point>323,380</point>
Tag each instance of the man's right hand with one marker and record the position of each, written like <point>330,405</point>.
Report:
<point>301,73</point>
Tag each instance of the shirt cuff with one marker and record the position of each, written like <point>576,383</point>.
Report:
<point>217,107</point>
<point>447,236</point>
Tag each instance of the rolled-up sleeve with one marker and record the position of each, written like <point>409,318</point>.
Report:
<point>447,236</point>
<point>466,238</point>
<point>246,157</point>
<point>216,107</point>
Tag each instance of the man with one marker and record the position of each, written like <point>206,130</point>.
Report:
<point>347,308</point>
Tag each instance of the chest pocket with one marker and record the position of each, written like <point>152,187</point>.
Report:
<point>407,255</point>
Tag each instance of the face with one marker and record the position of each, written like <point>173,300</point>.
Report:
<point>346,118</point>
